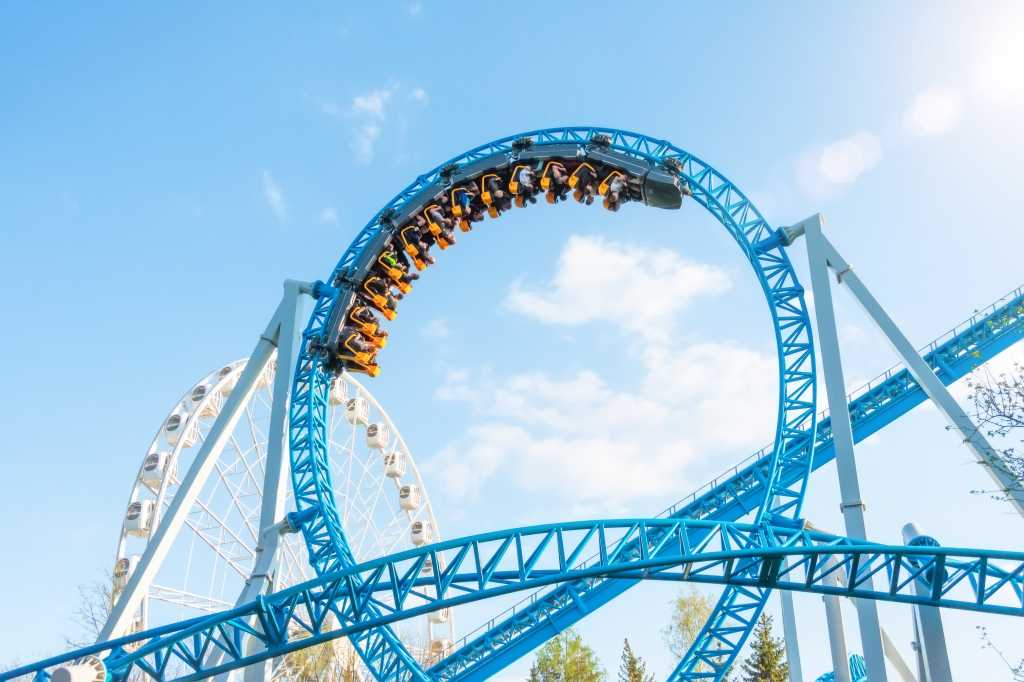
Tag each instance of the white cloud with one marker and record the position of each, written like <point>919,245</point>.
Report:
<point>274,196</point>
<point>586,441</point>
<point>845,160</point>
<point>933,112</point>
<point>419,95</point>
<point>371,116</point>
<point>373,103</point>
<point>364,140</point>
<point>437,329</point>
<point>998,76</point>
<point>329,215</point>
<point>822,171</point>
<point>599,280</point>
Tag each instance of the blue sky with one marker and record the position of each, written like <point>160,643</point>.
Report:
<point>163,170</point>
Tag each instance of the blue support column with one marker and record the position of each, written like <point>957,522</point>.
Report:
<point>928,620</point>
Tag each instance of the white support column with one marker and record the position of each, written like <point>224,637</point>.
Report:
<point>894,658</point>
<point>922,669</point>
<point>174,518</point>
<point>836,634</point>
<point>933,387</point>
<point>278,467</point>
<point>852,505</point>
<point>790,634</point>
<point>928,623</point>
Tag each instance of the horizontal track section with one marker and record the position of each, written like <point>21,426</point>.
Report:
<point>872,407</point>
<point>493,564</point>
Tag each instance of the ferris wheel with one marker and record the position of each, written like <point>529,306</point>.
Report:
<point>380,496</point>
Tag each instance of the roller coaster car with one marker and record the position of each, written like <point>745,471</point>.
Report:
<point>657,187</point>
<point>436,221</point>
<point>371,368</point>
<point>522,185</point>
<point>439,226</point>
<point>614,181</point>
<point>553,176</point>
<point>461,200</point>
<point>582,183</point>
<point>492,194</point>
<point>410,236</point>
<point>395,274</point>
<point>377,295</point>
<point>361,317</point>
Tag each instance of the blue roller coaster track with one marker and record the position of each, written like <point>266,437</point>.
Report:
<point>750,557</point>
<point>584,565</point>
<point>733,616</point>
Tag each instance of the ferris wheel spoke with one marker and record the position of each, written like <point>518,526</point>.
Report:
<point>213,544</point>
<point>206,570</point>
<point>176,597</point>
<point>256,481</point>
<point>235,494</point>
<point>223,528</point>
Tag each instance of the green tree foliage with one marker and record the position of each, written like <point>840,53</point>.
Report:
<point>767,660</point>
<point>690,609</point>
<point>565,658</point>
<point>633,668</point>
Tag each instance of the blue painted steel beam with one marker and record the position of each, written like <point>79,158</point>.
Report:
<point>794,436</point>
<point>747,556</point>
<point>878,404</point>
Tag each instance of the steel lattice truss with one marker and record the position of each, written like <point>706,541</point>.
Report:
<point>790,460</point>
<point>875,406</point>
<point>590,563</point>
<point>747,557</point>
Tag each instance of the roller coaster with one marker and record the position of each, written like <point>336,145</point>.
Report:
<point>744,531</point>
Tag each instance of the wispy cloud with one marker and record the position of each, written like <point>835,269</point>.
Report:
<point>274,196</point>
<point>603,281</point>
<point>370,116</point>
<point>997,73</point>
<point>570,434</point>
<point>373,103</point>
<point>329,215</point>
<point>437,329</point>
<point>934,111</point>
<point>826,170</point>
<point>419,95</point>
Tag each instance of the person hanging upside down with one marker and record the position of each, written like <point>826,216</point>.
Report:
<point>555,181</point>
<point>377,293</point>
<point>363,318</point>
<point>524,180</point>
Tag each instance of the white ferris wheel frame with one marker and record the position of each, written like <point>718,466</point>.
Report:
<point>230,391</point>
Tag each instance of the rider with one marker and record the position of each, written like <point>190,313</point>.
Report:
<point>376,292</point>
<point>524,180</point>
<point>555,181</point>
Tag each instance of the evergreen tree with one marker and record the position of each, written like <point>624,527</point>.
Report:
<point>767,660</point>
<point>534,674</point>
<point>633,668</point>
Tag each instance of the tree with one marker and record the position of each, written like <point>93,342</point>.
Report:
<point>633,668</point>
<point>766,662</point>
<point>1016,671</point>
<point>690,610</point>
<point>565,658</point>
<point>92,610</point>
<point>999,410</point>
